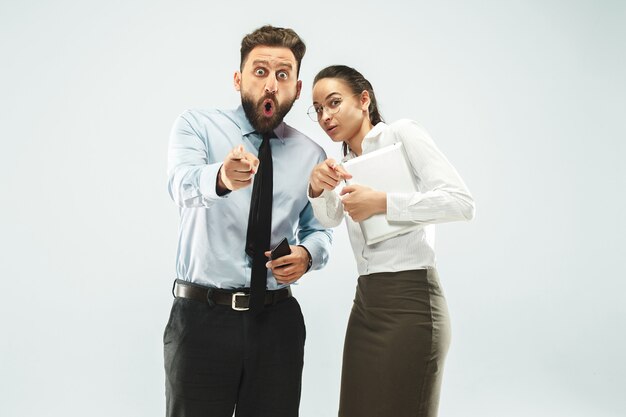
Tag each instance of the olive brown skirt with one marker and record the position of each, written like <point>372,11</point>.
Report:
<point>396,343</point>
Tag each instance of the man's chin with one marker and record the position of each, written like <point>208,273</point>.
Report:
<point>264,124</point>
<point>261,122</point>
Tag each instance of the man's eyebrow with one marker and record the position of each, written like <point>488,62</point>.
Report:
<point>286,64</point>
<point>265,62</point>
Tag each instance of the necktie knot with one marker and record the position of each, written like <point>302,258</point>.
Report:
<point>268,135</point>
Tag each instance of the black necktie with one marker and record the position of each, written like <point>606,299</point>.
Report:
<point>260,224</point>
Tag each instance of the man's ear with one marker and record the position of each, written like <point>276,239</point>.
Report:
<point>237,80</point>
<point>298,89</point>
<point>365,100</point>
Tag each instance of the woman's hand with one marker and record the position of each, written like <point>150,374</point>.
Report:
<point>326,176</point>
<point>362,202</point>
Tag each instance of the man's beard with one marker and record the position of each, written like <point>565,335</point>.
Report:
<point>254,112</point>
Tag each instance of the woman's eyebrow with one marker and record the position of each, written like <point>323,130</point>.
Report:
<point>330,94</point>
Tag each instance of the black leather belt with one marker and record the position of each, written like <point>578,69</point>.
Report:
<point>237,299</point>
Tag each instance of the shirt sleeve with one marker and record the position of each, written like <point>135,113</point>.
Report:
<point>327,208</point>
<point>191,178</point>
<point>314,237</point>
<point>313,234</point>
<point>443,196</point>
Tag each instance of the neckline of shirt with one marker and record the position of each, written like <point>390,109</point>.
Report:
<point>368,139</point>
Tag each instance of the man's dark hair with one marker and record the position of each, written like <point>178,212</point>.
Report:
<point>273,36</point>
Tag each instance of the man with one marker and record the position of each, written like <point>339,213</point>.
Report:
<point>240,179</point>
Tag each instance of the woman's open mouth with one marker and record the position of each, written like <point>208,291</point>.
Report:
<point>268,108</point>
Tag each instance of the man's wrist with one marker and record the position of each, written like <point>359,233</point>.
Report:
<point>310,264</point>
<point>220,187</point>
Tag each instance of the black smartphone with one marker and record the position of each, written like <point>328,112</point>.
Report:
<point>280,250</point>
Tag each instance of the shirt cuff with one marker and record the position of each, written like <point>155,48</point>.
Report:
<point>316,253</point>
<point>320,201</point>
<point>208,182</point>
<point>327,208</point>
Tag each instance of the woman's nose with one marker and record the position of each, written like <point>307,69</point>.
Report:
<point>326,116</point>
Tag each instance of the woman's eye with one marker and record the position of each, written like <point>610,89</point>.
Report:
<point>334,103</point>
<point>259,71</point>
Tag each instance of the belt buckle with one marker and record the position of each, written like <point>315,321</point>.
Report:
<point>234,301</point>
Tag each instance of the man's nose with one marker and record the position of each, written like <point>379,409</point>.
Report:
<point>271,85</point>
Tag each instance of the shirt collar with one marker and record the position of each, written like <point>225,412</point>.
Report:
<point>244,124</point>
<point>368,140</point>
<point>373,135</point>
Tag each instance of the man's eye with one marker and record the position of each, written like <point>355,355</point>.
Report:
<point>319,109</point>
<point>259,71</point>
<point>283,75</point>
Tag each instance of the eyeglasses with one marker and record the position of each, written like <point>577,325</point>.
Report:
<point>332,106</point>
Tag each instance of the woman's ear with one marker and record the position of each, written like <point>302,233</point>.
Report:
<point>365,100</point>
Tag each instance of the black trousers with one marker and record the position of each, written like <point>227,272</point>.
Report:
<point>218,360</point>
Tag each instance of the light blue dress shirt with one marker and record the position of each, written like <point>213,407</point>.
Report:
<point>212,235</point>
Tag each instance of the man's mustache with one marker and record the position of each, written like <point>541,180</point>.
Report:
<point>268,96</point>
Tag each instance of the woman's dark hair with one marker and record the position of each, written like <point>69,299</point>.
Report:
<point>357,83</point>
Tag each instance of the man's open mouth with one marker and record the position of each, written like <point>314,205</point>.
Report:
<point>268,108</point>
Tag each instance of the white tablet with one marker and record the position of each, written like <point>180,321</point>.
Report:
<point>386,169</point>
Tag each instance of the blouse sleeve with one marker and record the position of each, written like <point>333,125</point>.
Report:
<point>327,208</point>
<point>443,196</point>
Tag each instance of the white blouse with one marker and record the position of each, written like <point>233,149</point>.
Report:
<point>442,197</point>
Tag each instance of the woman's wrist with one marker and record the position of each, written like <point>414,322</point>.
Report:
<point>382,202</point>
<point>313,193</point>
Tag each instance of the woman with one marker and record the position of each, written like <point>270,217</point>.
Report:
<point>399,331</point>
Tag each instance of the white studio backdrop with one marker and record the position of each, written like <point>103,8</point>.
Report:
<point>526,99</point>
